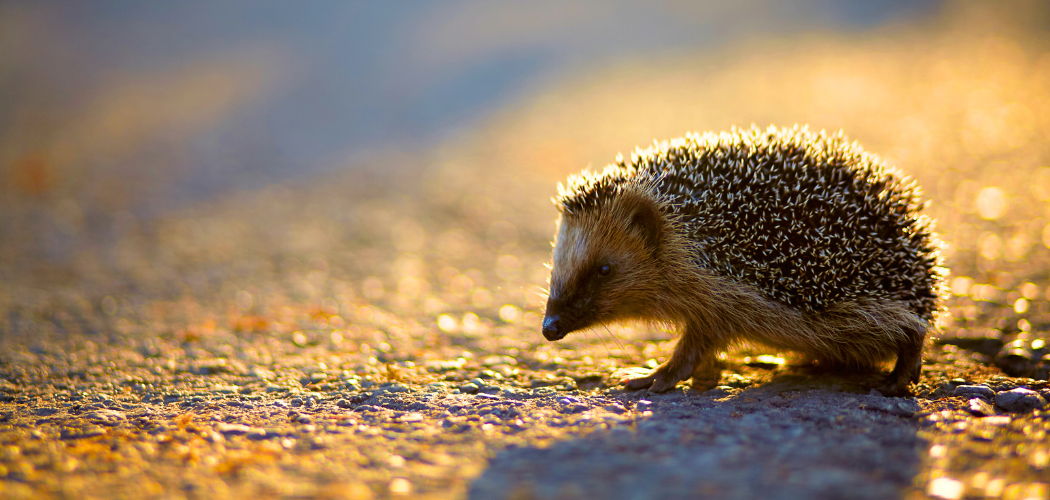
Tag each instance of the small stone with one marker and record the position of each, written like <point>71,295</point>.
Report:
<point>571,405</point>
<point>437,387</point>
<point>296,402</point>
<point>969,391</point>
<point>400,486</point>
<point>234,429</point>
<point>469,388</point>
<point>342,403</point>
<point>615,408</point>
<point>261,373</point>
<point>302,418</point>
<point>259,435</point>
<point>543,391</point>
<point>412,417</point>
<point>535,383</point>
<point>106,417</point>
<point>499,360</point>
<point>643,405</point>
<point>981,407</point>
<point>352,385</point>
<point>393,387</point>
<point>1019,400</point>
<point>91,431</point>
<point>442,366</point>
<point>946,488</point>
<point>505,370</point>
<point>1014,358</point>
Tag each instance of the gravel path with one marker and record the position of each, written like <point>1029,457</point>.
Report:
<point>375,333</point>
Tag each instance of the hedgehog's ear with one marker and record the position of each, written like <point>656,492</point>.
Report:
<point>646,221</point>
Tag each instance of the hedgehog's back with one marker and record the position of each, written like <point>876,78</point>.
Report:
<point>809,219</point>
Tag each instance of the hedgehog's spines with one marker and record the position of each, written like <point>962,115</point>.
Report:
<point>769,207</point>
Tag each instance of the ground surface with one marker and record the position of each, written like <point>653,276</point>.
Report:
<point>375,333</point>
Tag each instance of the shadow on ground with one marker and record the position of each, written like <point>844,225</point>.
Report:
<point>772,441</point>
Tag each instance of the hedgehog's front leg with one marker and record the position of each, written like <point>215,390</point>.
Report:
<point>689,353</point>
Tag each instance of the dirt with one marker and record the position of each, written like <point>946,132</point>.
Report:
<point>375,333</point>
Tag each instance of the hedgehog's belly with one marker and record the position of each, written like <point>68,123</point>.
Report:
<point>858,334</point>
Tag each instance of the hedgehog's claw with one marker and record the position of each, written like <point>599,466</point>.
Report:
<point>663,383</point>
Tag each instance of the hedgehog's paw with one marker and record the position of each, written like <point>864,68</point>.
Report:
<point>664,382</point>
<point>660,380</point>
<point>906,371</point>
<point>894,387</point>
<point>635,384</point>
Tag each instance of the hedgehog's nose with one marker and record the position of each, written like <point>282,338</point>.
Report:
<point>551,329</point>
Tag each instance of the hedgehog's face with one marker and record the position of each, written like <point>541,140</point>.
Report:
<point>604,265</point>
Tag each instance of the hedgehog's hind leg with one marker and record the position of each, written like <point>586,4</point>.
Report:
<point>908,366</point>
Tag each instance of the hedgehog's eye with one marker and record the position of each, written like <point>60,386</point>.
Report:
<point>604,270</point>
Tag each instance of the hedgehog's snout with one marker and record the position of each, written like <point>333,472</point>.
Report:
<point>552,329</point>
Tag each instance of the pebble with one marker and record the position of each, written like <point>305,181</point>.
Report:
<point>499,360</point>
<point>468,388</point>
<point>543,391</point>
<point>107,417</point>
<point>572,405</point>
<point>436,387</point>
<point>969,391</point>
<point>411,417</point>
<point>392,387</point>
<point>442,366</point>
<point>234,429</point>
<point>981,407</point>
<point>1019,400</point>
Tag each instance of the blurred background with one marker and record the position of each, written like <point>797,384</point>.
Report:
<point>252,155</point>
<point>325,192</point>
<point>141,106</point>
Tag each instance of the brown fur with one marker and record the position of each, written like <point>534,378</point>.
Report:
<point>654,278</point>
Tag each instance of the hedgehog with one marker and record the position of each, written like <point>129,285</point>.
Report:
<point>784,237</point>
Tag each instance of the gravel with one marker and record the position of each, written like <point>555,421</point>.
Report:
<point>375,333</point>
<point>1019,399</point>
